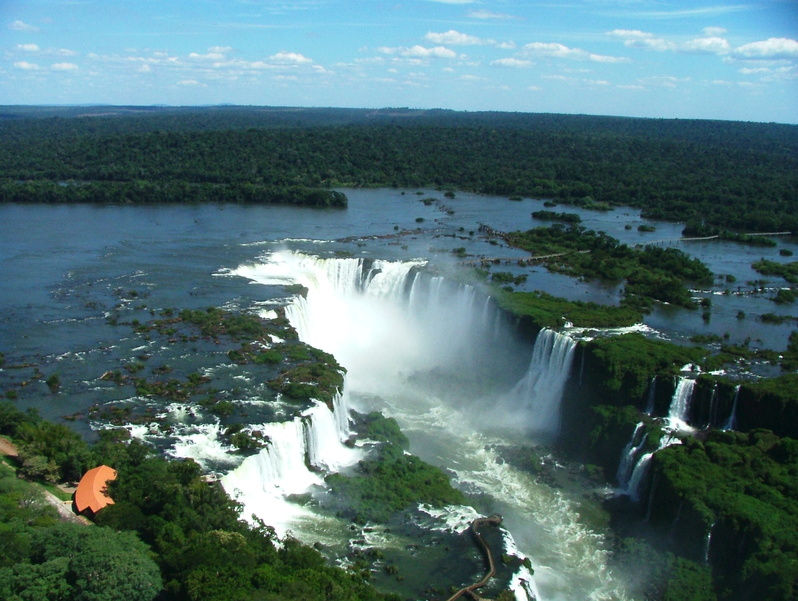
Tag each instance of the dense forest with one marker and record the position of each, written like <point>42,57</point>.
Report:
<point>740,176</point>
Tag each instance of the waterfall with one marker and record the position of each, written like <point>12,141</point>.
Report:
<point>538,394</point>
<point>713,406</point>
<point>708,544</point>
<point>731,423</point>
<point>295,454</point>
<point>679,412</point>
<point>628,457</point>
<point>652,393</point>
<point>641,467</point>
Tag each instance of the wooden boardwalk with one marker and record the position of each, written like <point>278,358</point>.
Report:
<point>493,520</point>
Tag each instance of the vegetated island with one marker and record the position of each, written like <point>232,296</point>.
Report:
<point>735,176</point>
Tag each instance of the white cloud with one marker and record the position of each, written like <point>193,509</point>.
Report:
<point>455,38</point>
<point>710,45</point>
<point>713,31</point>
<point>26,66</point>
<point>28,47</point>
<point>555,50</point>
<point>419,52</point>
<point>634,38</point>
<point>290,58</point>
<point>64,67</point>
<point>210,56</point>
<point>487,14</point>
<point>511,62</point>
<point>769,49</point>
<point>452,1</point>
<point>190,83</point>
<point>65,52</point>
<point>22,26</point>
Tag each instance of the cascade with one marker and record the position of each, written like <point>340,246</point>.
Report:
<point>713,406</point>
<point>628,456</point>
<point>731,423</point>
<point>288,464</point>
<point>641,467</point>
<point>652,390</point>
<point>708,544</point>
<point>679,411</point>
<point>539,393</point>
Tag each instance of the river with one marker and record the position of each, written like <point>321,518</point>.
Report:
<point>417,346</point>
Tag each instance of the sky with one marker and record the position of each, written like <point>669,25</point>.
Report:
<point>638,58</point>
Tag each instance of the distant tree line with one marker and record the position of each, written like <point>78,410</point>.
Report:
<point>733,175</point>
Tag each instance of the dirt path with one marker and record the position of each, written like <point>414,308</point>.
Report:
<point>7,447</point>
<point>64,508</point>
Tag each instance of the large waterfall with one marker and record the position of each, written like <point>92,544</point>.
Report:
<point>537,397</point>
<point>437,356</point>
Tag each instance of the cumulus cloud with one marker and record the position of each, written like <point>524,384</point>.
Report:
<point>28,47</point>
<point>555,50</point>
<point>64,67</point>
<point>289,58</point>
<point>634,38</point>
<point>455,38</point>
<point>22,26</point>
<point>710,45</point>
<point>191,83</point>
<point>26,66</point>
<point>511,62</point>
<point>420,52</point>
<point>210,56</point>
<point>771,48</point>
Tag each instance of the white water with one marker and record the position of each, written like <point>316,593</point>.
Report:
<point>679,411</point>
<point>429,353</point>
<point>731,423</point>
<point>537,397</point>
<point>628,455</point>
<point>633,489</point>
<point>652,394</point>
<point>297,454</point>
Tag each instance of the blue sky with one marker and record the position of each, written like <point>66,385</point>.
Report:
<point>641,58</point>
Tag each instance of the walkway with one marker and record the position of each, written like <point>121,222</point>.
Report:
<point>493,520</point>
<point>64,508</point>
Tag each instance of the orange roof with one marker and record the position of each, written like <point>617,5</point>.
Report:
<point>91,491</point>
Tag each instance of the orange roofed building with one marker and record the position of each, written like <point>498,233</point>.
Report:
<point>91,493</point>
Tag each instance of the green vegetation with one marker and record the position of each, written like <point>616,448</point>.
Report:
<point>389,481</point>
<point>557,216</point>
<point>158,192</point>
<point>651,273</point>
<point>42,558</point>
<point>626,364</point>
<point>548,311</point>
<point>745,487</point>
<point>739,176</point>
<point>788,271</point>
<point>169,534</point>
<point>699,229</point>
